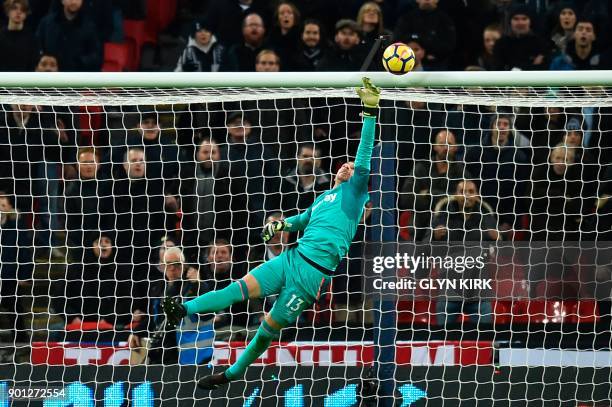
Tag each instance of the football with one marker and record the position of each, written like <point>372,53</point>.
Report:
<point>398,58</point>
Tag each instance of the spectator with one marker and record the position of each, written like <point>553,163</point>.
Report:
<point>160,149</point>
<point>16,266</point>
<point>370,18</point>
<point>176,279</point>
<point>431,180</point>
<point>228,14</point>
<point>17,43</point>
<point>25,164</point>
<point>501,164</point>
<point>88,204</point>
<point>416,45</point>
<point>205,199</point>
<point>267,60</point>
<point>103,14</point>
<point>285,34</point>
<point>347,54</point>
<point>313,47</point>
<point>582,52</point>
<point>96,289</point>
<point>254,179</point>
<point>436,30</point>
<point>547,130</point>
<point>221,270</point>
<point>305,182</point>
<point>47,63</point>
<point>563,32</point>
<point>71,36</point>
<point>140,209</point>
<point>491,34</point>
<point>204,53</point>
<point>463,218</point>
<point>557,205</point>
<point>574,139</point>
<point>242,55</point>
<point>522,48</point>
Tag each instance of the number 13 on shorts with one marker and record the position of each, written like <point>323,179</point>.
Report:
<point>294,303</point>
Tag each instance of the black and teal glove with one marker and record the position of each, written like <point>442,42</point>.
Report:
<point>271,228</point>
<point>174,310</point>
<point>370,96</point>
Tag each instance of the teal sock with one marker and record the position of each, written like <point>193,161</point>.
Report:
<point>257,346</point>
<point>218,300</point>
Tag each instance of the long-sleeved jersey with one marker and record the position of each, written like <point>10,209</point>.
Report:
<point>330,223</point>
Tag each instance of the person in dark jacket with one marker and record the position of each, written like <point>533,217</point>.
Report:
<point>242,55</point>
<point>347,53</point>
<point>175,278</point>
<point>140,208</point>
<point>88,204</point>
<point>502,165</point>
<point>205,198</point>
<point>312,49</point>
<point>431,180</point>
<point>204,52</point>
<point>304,183</point>
<point>463,218</point>
<point>72,37</point>
<point>522,48</point>
<point>18,45</point>
<point>97,288</point>
<point>557,193</point>
<point>285,34</point>
<point>228,14</point>
<point>370,18</point>
<point>582,52</point>
<point>16,265</point>
<point>436,30</point>
<point>254,178</point>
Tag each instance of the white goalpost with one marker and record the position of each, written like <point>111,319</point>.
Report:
<point>481,271</point>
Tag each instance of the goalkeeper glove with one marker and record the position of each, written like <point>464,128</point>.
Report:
<point>369,95</point>
<point>271,228</point>
<point>174,310</point>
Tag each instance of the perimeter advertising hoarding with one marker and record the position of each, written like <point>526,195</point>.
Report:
<point>307,386</point>
<point>416,353</point>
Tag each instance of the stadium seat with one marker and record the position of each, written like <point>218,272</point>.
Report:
<point>404,225</point>
<point>160,13</point>
<point>116,57</point>
<point>582,311</point>
<point>418,312</point>
<point>89,326</point>
<point>539,312</point>
<point>135,38</point>
<point>502,311</point>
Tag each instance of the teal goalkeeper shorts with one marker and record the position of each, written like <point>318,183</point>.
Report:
<point>298,284</point>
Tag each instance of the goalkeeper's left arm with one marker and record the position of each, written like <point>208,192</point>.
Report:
<point>370,96</point>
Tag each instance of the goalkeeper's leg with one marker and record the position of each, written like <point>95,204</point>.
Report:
<point>287,308</point>
<point>265,280</point>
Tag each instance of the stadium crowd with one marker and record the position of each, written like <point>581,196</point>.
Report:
<point>145,202</point>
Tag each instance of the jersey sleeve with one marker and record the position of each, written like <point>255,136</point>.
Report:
<point>364,153</point>
<point>298,222</point>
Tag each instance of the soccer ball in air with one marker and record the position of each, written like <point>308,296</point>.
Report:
<point>398,58</point>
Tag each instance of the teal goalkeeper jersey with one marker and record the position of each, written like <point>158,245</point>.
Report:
<point>330,223</point>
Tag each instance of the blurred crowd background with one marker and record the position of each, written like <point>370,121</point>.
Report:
<point>105,210</point>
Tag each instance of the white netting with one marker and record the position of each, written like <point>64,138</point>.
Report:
<point>136,171</point>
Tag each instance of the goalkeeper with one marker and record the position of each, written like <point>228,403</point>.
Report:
<point>299,274</point>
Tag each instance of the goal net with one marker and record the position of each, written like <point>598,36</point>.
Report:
<point>480,273</point>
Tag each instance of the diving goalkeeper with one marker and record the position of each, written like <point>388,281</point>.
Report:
<point>299,274</point>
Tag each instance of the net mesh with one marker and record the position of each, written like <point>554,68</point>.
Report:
<point>99,185</point>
